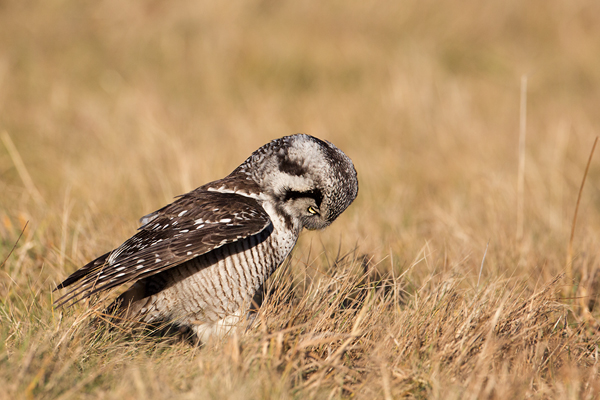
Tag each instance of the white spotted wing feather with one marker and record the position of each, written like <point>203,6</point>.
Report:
<point>193,225</point>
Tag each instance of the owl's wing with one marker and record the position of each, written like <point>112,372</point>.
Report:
<point>195,224</point>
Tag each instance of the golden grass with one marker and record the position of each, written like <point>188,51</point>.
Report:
<point>109,109</point>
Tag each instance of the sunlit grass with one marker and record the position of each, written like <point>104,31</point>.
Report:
<point>113,109</point>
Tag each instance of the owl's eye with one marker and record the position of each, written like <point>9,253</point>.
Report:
<point>312,210</point>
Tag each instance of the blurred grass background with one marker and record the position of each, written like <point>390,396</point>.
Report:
<point>114,108</point>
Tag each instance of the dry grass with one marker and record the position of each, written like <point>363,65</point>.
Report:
<point>110,109</point>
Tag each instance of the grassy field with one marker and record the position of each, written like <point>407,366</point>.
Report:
<point>446,279</point>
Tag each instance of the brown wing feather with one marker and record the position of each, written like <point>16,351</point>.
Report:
<point>195,224</point>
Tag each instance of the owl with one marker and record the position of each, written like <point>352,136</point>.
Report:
<point>198,262</point>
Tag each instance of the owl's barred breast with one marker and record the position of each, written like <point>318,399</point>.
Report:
<point>210,289</point>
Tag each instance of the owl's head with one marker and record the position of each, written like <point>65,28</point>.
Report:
<point>312,180</point>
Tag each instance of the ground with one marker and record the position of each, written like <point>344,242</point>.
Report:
<point>470,125</point>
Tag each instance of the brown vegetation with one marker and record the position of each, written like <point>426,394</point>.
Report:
<point>110,109</point>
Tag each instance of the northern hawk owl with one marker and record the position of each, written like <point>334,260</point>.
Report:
<point>198,262</point>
